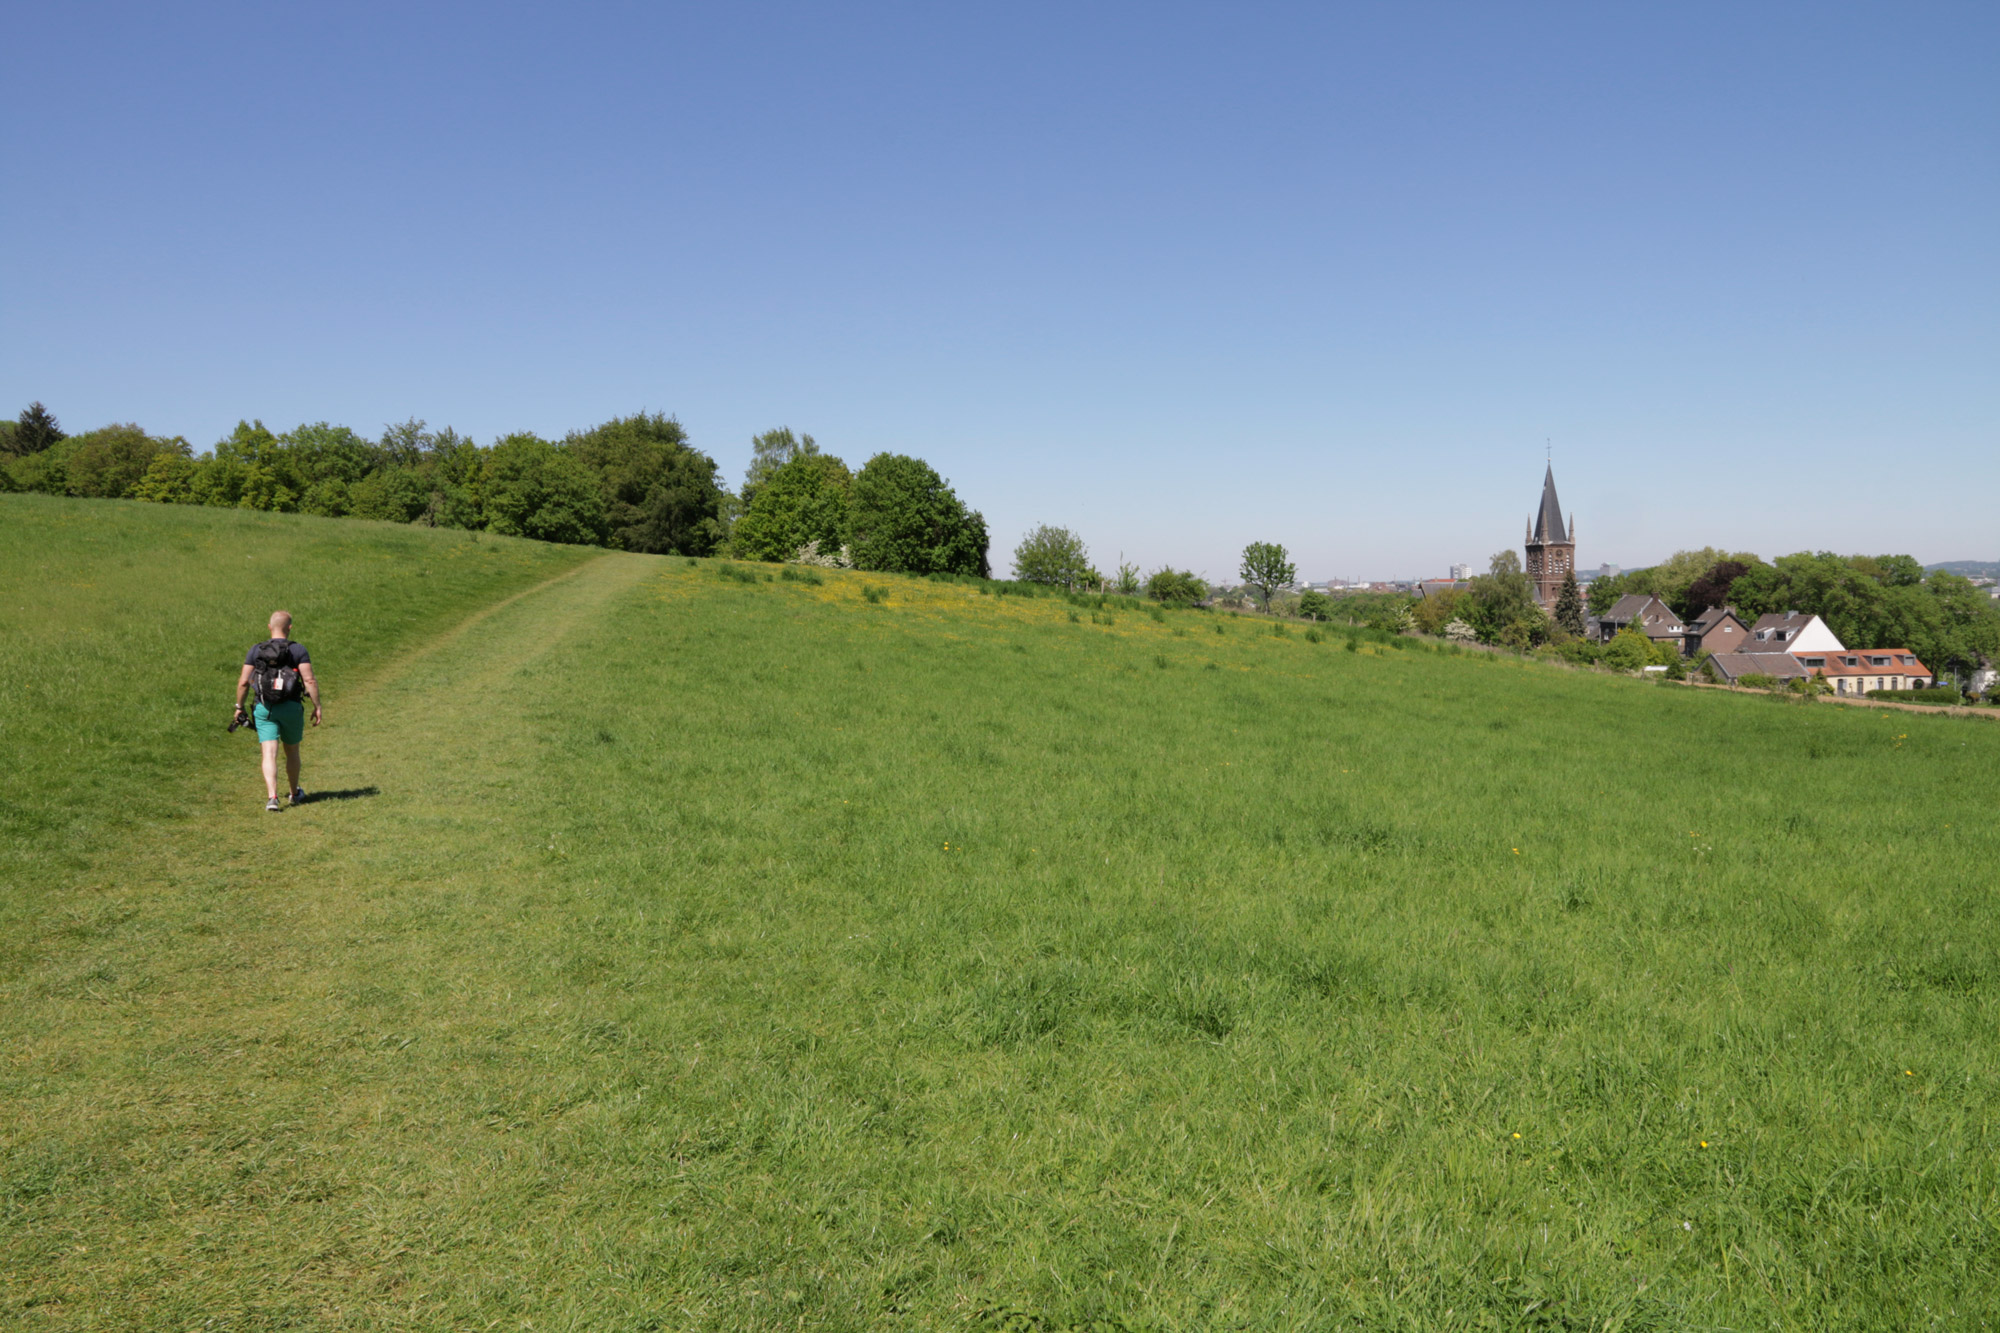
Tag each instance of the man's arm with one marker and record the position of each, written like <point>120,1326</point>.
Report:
<point>242,685</point>
<point>312,688</point>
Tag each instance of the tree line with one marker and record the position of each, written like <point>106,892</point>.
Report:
<point>633,483</point>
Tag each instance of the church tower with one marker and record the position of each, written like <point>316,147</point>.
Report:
<point>1551,547</point>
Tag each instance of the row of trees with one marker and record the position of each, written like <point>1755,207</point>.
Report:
<point>1058,558</point>
<point>635,483</point>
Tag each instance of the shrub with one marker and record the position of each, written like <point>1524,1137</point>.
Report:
<point>1935,694</point>
<point>1174,587</point>
<point>737,573</point>
<point>1315,605</point>
<point>875,596</point>
<point>1313,635</point>
<point>1629,650</point>
<point>793,574</point>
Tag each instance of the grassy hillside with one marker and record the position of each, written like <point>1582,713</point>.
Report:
<point>694,952</point>
<point>126,625</point>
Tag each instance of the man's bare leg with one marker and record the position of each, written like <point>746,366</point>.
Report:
<point>292,766</point>
<point>271,767</point>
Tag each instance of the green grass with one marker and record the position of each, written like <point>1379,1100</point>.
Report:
<point>715,952</point>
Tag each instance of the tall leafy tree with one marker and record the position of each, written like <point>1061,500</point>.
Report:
<point>804,500</point>
<point>660,492</point>
<point>533,489</point>
<point>771,451</point>
<point>36,430</point>
<point>905,518</point>
<point>1267,567</point>
<point>1712,589</point>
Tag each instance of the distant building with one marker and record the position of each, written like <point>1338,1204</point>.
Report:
<point>1460,573</point>
<point>1649,615</point>
<point>1731,668</point>
<point>1868,670</point>
<point>1609,571</point>
<point>1718,629</point>
<point>1551,546</point>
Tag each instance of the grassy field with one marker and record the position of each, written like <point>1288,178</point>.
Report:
<point>693,951</point>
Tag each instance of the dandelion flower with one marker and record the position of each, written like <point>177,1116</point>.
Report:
<point>1517,1134</point>
<point>1704,1143</point>
<point>1909,1073</point>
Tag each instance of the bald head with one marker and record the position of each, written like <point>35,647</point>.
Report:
<point>281,624</point>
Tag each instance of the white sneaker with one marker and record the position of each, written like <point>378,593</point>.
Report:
<point>271,804</point>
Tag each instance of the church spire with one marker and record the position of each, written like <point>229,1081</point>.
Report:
<point>1549,521</point>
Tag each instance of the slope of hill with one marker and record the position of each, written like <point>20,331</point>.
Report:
<point>1972,569</point>
<point>695,948</point>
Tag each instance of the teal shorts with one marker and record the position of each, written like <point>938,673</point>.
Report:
<point>280,722</point>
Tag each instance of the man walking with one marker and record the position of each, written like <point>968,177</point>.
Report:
<point>280,671</point>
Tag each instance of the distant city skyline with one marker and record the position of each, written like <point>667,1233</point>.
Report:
<point>1177,279</point>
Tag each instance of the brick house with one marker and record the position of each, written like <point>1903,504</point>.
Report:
<point>1718,629</point>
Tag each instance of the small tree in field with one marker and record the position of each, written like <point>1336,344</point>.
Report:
<point>1267,568</point>
<point>1054,556</point>
<point>1315,605</point>
<point>1569,607</point>
<point>1127,582</point>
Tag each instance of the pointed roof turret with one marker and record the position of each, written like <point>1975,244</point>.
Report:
<point>1549,521</point>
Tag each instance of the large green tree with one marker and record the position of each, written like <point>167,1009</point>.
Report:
<point>803,500</point>
<point>1056,557</point>
<point>660,493</point>
<point>1500,605</point>
<point>906,519</point>
<point>1267,567</point>
<point>533,489</point>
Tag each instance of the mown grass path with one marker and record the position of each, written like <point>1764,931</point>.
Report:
<point>701,953</point>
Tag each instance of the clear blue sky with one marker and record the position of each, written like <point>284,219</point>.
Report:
<point>1176,277</point>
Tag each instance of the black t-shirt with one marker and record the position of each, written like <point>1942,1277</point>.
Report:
<point>298,650</point>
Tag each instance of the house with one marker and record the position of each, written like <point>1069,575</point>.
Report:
<point>1653,618</point>
<point>1731,668</point>
<point>1791,632</point>
<point>1863,671</point>
<point>1718,629</point>
<point>1432,587</point>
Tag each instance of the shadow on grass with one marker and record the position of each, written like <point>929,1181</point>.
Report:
<point>344,794</point>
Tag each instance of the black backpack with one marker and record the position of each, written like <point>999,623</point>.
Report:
<point>273,673</point>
